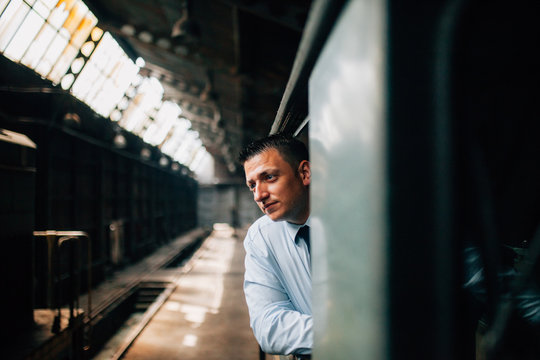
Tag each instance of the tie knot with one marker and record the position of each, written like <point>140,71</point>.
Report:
<point>303,231</point>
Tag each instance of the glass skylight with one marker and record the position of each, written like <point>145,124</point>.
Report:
<point>59,40</point>
<point>106,76</point>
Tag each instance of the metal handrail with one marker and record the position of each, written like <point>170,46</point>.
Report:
<point>55,239</point>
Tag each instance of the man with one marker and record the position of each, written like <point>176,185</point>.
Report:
<point>277,281</point>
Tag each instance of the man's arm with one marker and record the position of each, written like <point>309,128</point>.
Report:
<point>278,326</point>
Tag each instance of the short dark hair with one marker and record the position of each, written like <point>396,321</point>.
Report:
<point>291,149</point>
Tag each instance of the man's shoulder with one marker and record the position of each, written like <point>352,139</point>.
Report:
<point>263,221</point>
<point>264,229</point>
<point>263,235</point>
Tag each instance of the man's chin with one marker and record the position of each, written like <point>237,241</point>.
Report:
<point>274,216</point>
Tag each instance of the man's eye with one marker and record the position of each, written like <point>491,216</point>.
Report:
<point>251,186</point>
<point>269,177</point>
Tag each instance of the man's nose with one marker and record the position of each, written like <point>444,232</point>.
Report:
<point>260,192</point>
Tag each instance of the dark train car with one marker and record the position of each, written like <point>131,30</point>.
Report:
<point>422,123</point>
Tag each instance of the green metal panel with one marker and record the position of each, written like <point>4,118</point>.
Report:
<point>348,191</point>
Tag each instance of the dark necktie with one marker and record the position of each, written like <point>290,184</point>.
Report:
<point>303,233</point>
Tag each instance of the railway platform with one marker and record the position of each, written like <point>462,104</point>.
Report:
<point>205,315</point>
<point>166,306</point>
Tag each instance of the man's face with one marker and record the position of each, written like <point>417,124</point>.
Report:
<point>281,192</point>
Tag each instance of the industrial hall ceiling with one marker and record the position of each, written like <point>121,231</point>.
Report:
<point>226,63</point>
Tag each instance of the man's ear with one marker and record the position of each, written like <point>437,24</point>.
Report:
<point>304,170</point>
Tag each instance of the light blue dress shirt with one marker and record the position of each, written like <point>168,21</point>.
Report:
<point>277,285</point>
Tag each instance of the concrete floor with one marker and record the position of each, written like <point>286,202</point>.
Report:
<point>206,316</point>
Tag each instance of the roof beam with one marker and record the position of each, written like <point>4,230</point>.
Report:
<point>284,13</point>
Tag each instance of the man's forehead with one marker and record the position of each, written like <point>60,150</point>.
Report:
<point>255,172</point>
<point>269,160</point>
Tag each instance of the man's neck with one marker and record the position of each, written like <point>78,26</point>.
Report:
<point>302,220</point>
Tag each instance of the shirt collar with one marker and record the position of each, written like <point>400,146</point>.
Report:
<point>292,229</point>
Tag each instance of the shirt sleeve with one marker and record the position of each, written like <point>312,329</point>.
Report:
<point>278,326</point>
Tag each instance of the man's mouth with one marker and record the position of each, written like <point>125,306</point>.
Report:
<point>266,207</point>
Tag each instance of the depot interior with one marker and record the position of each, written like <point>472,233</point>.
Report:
<point>123,119</point>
